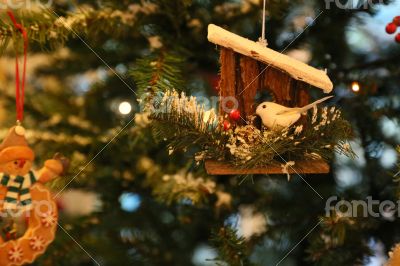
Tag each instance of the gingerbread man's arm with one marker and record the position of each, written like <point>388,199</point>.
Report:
<point>52,168</point>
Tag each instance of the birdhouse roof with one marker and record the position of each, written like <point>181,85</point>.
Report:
<point>296,69</point>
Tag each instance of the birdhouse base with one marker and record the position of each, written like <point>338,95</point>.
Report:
<point>300,167</point>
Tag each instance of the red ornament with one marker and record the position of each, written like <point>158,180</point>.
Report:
<point>391,28</point>
<point>234,115</point>
<point>227,125</point>
<point>396,21</point>
<point>397,38</point>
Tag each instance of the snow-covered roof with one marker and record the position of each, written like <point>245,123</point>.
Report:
<point>296,69</point>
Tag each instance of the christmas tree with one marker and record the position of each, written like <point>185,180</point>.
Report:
<point>137,192</point>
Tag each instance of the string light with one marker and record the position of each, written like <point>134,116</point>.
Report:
<point>355,86</point>
<point>125,108</point>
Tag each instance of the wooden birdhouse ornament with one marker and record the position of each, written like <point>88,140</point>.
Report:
<point>249,67</point>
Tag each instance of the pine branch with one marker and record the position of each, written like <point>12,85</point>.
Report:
<point>342,235</point>
<point>158,73</point>
<point>181,121</point>
<point>231,248</point>
<point>325,132</point>
<point>45,26</point>
<point>182,186</point>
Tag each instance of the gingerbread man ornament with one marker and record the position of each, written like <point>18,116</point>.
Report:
<point>22,193</point>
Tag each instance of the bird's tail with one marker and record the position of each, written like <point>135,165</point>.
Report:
<point>304,109</point>
<point>311,105</point>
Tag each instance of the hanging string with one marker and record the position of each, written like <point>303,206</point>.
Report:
<point>20,82</point>
<point>262,39</point>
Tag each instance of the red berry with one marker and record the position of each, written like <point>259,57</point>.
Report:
<point>398,38</point>
<point>234,115</point>
<point>391,28</point>
<point>227,125</point>
<point>396,20</point>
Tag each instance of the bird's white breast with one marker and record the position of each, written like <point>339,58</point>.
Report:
<point>273,120</point>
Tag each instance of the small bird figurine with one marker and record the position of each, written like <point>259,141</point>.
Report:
<point>277,117</point>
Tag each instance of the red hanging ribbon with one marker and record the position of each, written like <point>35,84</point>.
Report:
<point>20,84</point>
